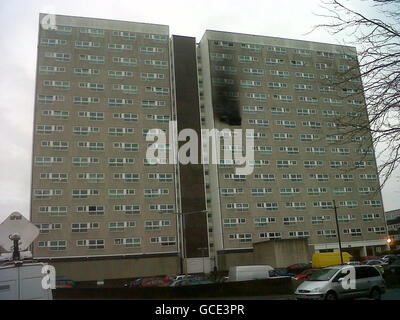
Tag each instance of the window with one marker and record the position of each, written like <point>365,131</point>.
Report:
<point>55,177</point>
<point>86,44</point>
<point>279,73</point>
<point>242,237</point>
<point>263,221</point>
<point>296,205</point>
<point>92,146</point>
<point>164,241</point>
<point>119,47</point>
<point>84,227</point>
<point>354,232</point>
<point>155,193</point>
<point>58,56</point>
<point>120,193</point>
<point>46,194</point>
<point>128,242</point>
<point>91,177</point>
<point>294,177</point>
<point>84,161</point>
<point>54,210</point>
<point>84,101</point>
<point>53,245</point>
<point>156,224</point>
<point>120,226</point>
<point>238,206</point>
<point>260,192</point>
<point>91,244</point>
<point>92,32</point>
<point>244,59</point>
<point>84,193</point>
<point>55,145</point>
<point>126,35</point>
<point>151,50</point>
<point>128,147</point>
<point>162,208</point>
<point>299,234</point>
<point>91,210</point>
<point>319,177</point>
<point>290,221</point>
<point>285,163</point>
<point>92,59</point>
<point>86,72</point>
<point>265,177</point>
<point>127,208</point>
<point>316,191</point>
<point>269,206</point>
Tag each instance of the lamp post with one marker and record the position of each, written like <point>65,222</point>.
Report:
<point>338,233</point>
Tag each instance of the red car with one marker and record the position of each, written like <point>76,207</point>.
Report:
<point>153,282</point>
<point>305,274</point>
<point>362,259</point>
<point>298,268</point>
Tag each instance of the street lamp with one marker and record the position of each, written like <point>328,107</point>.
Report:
<point>338,232</point>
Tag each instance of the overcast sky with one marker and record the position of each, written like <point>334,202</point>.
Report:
<point>18,44</point>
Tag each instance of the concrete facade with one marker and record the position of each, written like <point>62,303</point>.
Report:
<point>296,97</point>
<point>102,84</point>
<point>282,253</point>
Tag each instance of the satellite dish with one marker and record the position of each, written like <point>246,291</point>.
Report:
<point>16,223</point>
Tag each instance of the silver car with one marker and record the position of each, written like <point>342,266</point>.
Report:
<point>343,282</point>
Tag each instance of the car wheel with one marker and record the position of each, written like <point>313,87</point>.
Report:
<point>331,296</point>
<point>375,294</point>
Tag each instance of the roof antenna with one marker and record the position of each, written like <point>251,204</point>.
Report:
<point>15,237</point>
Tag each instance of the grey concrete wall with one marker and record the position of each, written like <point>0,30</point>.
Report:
<point>282,253</point>
<point>94,270</point>
<point>226,260</point>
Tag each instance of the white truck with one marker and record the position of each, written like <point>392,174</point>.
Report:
<point>23,281</point>
<point>253,272</point>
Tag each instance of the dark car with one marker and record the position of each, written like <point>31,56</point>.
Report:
<point>283,272</point>
<point>63,282</point>
<point>136,283</point>
<point>394,267</point>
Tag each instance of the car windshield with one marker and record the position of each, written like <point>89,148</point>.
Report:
<point>323,274</point>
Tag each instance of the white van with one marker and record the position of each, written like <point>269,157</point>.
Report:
<point>23,282</point>
<point>245,273</point>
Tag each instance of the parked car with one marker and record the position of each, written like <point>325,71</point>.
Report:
<point>366,258</point>
<point>153,282</point>
<point>223,279</point>
<point>283,272</point>
<point>305,274</point>
<point>189,282</point>
<point>63,282</point>
<point>329,284</point>
<point>251,272</point>
<point>298,267</point>
<point>389,258</point>
<point>377,263</point>
<point>353,263</point>
<point>136,283</point>
<point>394,267</point>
